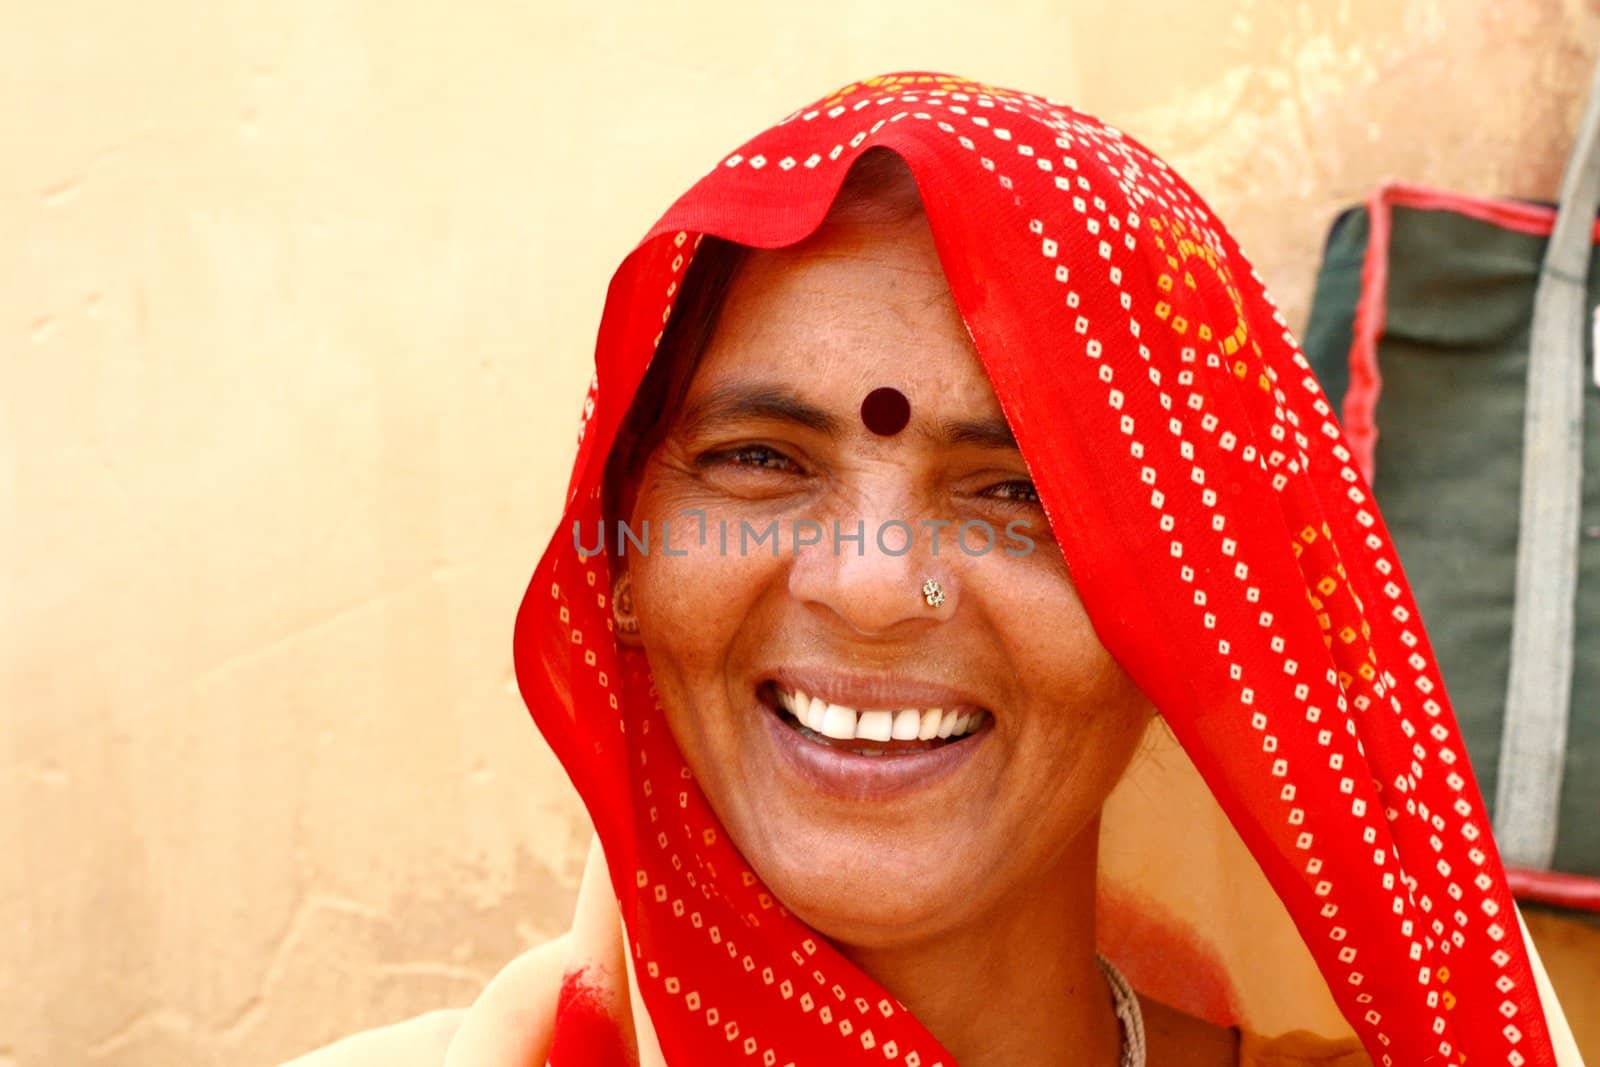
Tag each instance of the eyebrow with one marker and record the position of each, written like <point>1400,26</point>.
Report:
<point>741,400</point>
<point>986,433</point>
<point>736,401</point>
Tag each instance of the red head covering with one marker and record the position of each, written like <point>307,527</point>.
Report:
<point>1218,532</point>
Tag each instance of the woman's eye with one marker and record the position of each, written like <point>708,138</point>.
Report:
<point>757,456</point>
<point>1020,490</point>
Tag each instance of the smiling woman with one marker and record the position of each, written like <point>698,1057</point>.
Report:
<point>962,857</point>
<point>853,793</point>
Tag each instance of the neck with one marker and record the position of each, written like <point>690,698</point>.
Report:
<point>1018,984</point>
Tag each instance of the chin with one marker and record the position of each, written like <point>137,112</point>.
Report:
<point>847,920</point>
<point>871,889</point>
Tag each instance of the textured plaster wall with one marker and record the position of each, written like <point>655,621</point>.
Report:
<point>296,303</point>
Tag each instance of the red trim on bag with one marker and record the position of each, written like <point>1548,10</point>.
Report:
<point>1361,397</point>
<point>1550,887</point>
<point>1366,383</point>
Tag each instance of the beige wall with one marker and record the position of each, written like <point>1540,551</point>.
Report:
<point>296,303</point>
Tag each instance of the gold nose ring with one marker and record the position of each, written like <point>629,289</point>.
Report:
<point>933,593</point>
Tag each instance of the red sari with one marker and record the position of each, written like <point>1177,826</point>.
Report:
<point>1337,869</point>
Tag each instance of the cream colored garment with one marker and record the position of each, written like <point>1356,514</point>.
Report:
<point>510,1023</point>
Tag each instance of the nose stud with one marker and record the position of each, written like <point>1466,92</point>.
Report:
<point>933,593</point>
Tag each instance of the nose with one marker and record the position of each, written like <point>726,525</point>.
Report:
<point>869,572</point>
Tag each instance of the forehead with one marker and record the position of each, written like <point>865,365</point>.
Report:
<point>855,307</point>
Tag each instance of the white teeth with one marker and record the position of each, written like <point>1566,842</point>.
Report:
<point>839,722</point>
<point>907,723</point>
<point>815,713</point>
<point>875,725</point>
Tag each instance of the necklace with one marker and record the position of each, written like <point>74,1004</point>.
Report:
<point>1128,1014</point>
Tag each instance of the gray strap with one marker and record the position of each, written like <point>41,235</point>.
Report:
<point>1539,688</point>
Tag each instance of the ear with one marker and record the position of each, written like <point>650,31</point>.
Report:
<point>624,620</point>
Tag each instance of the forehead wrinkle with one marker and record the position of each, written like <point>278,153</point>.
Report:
<point>814,289</point>
<point>900,256</point>
<point>930,313</point>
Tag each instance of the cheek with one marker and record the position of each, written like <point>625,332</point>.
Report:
<point>1099,712</point>
<point>1087,716</point>
<point>703,622</point>
<point>688,627</point>
<point>1046,629</point>
<point>700,611</point>
<point>689,608</point>
<point>683,577</point>
<point>696,597</point>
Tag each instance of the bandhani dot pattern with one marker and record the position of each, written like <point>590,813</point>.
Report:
<point>1218,531</point>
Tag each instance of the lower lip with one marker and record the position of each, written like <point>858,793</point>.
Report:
<point>850,776</point>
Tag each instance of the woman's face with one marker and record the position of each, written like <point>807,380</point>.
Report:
<point>870,849</point>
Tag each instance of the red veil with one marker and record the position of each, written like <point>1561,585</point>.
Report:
<point>1229,554</point>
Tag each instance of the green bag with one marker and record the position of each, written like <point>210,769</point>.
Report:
<point>1421,330</point>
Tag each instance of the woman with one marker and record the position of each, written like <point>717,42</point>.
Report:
<point>965,446</point>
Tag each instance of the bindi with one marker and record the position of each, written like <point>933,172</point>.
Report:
<point>885,411</point>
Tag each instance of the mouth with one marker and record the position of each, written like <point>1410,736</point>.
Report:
<point>876,732</point>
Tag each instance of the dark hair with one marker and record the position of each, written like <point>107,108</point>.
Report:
<point>666,381</point>
<point>878,188</point>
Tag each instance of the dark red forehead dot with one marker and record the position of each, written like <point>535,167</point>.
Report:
<point>886,411</point>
